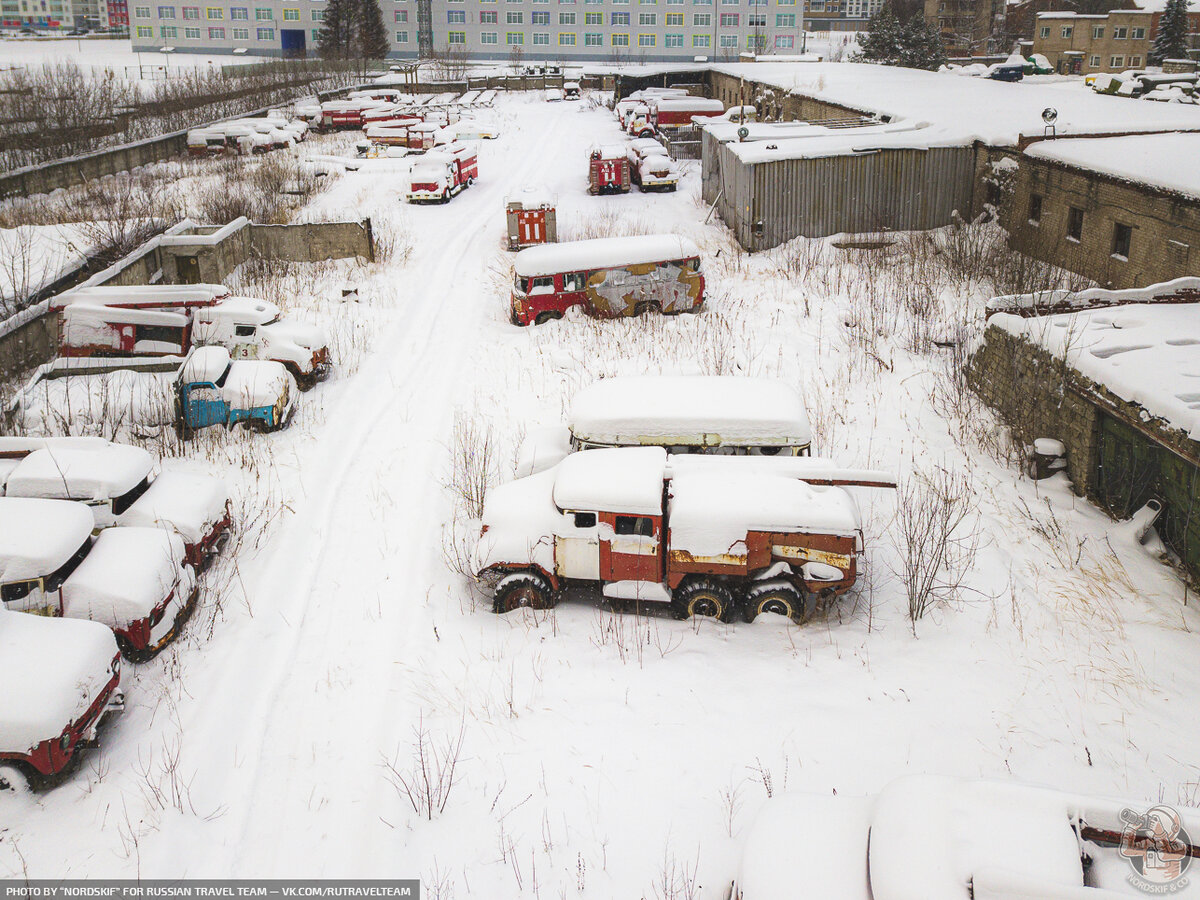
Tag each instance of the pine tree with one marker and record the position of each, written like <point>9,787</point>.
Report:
<point>336,36</point>
<point>882,40</point>
<point>921,45</point>
<point>373,36</point>
<point>1172,39</point>
<point>353,29</point>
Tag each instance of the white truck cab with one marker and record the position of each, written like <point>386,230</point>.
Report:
<point>252,329</point>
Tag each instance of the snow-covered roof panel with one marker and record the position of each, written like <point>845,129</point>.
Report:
<point>1148,354</point>
<point>128,572</point>
<point>37,536</point>
<point>688,104</point>
<point>142,295</point>
<point>714,410</point>
<point>204,364</point>
<point>1166,161</point>
<point>70,473</point>
<point>36,709</point>
<point>601,253</point>
<point>190,503</point>
<point>250,310</point>
<point>627,480</point>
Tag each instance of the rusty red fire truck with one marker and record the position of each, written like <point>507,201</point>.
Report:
<point>608,170</point>
<point>607,277</point>
<point>707,534</point>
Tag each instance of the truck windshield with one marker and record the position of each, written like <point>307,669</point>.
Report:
<point>127,499</point>
<point>55,580</point>
<point>520,285</point>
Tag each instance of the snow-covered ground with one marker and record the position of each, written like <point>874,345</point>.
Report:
<point>603,754</point>
<point>116,54</point>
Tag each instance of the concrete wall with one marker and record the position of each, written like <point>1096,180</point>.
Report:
<point>28,346</point>
<point>776,104</point>
<point>1166,227</point>
<point>315,241</point>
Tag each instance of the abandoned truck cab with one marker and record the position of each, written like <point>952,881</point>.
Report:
<point>730,533</point>
<point>212,389</point>
<point>250,328</point>
<point>714,414</point>
<point>607,277</point>
<point>49,713</point>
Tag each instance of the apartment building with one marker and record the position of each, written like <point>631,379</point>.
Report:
<point>1079,45</point>
<point>839,15</point>
<point>968,27</point>
<point>567,30</point>
<point>52,14</point>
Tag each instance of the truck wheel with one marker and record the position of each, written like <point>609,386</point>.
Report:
<point>645,308</point>
<point>703,597</point>
<point>522,589</point>
<point>446,195</point>
<point>543,317</point>
<point>780,597</point>
<point>13,782</point>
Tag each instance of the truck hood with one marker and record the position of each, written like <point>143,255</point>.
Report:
<point>188,502</point>
<point>288,331</point>
<point>128,572</point>
<point>519,521</point>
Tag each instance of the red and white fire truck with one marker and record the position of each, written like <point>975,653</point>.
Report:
<point>440,174</point>
<point>607,277</point>
<point>608,170</point>
<point>707,534</point>
<point>676,112</point>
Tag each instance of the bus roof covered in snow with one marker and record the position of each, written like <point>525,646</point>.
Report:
<point>602,253</point>
<point>38,536</point>
<point>142,295</point>
<point>700,410</point>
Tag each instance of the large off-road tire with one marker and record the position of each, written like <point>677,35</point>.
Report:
<point>775,596</point>
<point>702,597</point>
<point>14,782</point>
<point>523,589</point>
<point>548,316</point>
<point>646,307</point>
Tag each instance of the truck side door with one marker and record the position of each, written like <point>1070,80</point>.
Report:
<point>204,406</point>
<point>630,548</point>
<point>245,342</point>
<point>577,547</point>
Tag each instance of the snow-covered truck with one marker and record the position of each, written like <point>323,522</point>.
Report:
<point>607,277</point>
<point>728,534</point>
<point>608,170</point>
<point>928,837</point>
<point>116,483</point>
<point>685,414</point>
<point>250,328</point>
<point>669,113</point>
<point>59,682</point>
<point>658,173</point>
<point>213,389</point>
<point>442,174</point>
<point>134,580</point>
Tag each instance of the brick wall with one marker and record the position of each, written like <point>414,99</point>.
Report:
<point>1165,227</point>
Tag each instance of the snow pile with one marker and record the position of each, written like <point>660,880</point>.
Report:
<point>601,253</point>
<point>1145,354</point>
<point>78,473</point>
<point>128,573</point>
<point>39,536</point>
<point>712,512</point>
<point>1164,161</point>
<point>627,480</point>
<point>712,410</point>
<point>192,504</point>
<point>1163,291</point>
<point>51,671</point>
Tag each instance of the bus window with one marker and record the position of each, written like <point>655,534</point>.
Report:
<point>574,281</point>
<point>542,285</point>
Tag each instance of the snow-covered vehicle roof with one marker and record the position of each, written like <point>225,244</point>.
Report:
<point>72,473</point>
<point>246,310</point>
<point>126,574</point>
<point>533,198</point>
<point>687,104</point>
<point>204,364</point>
<point>646,146</point>
<point>304,335</point>
<point>713,410</point>
<point>626,480</point>
<point>79,320</point>
<point>38,700</point>
<point>142,295</point>
<point>38,536</point>
<point>658,168</point>
<point>609,151</point>
<point>511,513</point>
<point>602,253</point>
<point>254,383</point>
<point>190,503</point>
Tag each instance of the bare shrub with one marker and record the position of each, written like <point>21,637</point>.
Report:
<point>933,541</point>
<point>677,880</point>
<point>473,462</point>
<point>431,772</point>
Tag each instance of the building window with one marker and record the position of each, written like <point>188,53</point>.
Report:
<point>785,20</point>
<point>620,40</point>
<point>456,16</point>
<point>145,31</point>
<point>1067,31</point>
<point>646,40</point>
<point>1135,62</point>
<point>216,34</point>
<point>700,40</point>
<point>729,40</point>
<point>784,42</point>
<point>489,37</point>
<point>241,34</point>
<point>817,5</point>
<point>515,38</point>
<point>514,18</point>
<point>1097,32</point>
<point>539,18</point>
<point>489,17</point>
<point>673,40</point>
<point>401,15</point>
<point>648,19</point>
<point>1122,235</point>
<point>169,31</point>
<point>753,21</point>
<point>239,12</point>
<point>1045,32</point>
<point>191,34</point>
<point>620,18</point>
<point>1117,62</point>
<point>566,39</point>
<point>456,37</point>
<point>214,12</point>
<point>566,18</point>
<point>1138,34</point>
<point>1094,61</point>
<point>261,14</point>
<point>729,20</point>
<point>164,12</point>
<point>1120,34</point>
<point>1074,224</point>
<point>541,37</point>
<point>266,34</point>
<point>318,15</point>
<point>1035,209</point>
<point>191,12</point>
<point>701,20</point>
<point>316,34</point>
<point>291,15</point>
<point>593,40</point>
<point>675,20</point>
<point>593,18</point>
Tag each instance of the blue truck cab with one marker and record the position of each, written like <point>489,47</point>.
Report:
<point>213,389</point>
